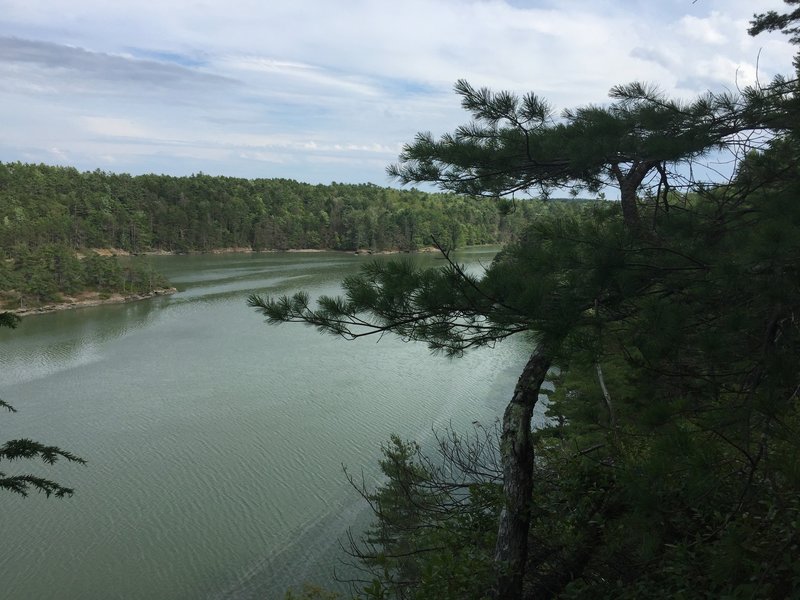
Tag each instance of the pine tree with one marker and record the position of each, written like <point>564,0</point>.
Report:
<point>665,287</point>
<point>516,144</point>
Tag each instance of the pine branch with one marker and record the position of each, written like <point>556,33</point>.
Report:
<point>22,484</point>
<point>8,319</point>
<point>28,449</point>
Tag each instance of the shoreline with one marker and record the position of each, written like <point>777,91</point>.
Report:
<point>87,299</point>
<point>246,250</point>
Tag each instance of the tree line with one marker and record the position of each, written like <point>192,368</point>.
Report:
<point>50,213</point>
<point>42,204</point>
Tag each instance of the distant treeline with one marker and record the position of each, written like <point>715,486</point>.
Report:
<point>41,205</point>
<point>49,216</point>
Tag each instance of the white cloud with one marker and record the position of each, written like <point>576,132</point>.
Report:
<point>703,30</point>
<point>278,89</point>
<point>304,74</point>
<point>113,127</point>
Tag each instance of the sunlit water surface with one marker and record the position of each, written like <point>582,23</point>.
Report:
<point>215,442</point>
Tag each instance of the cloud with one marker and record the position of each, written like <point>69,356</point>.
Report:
<point>703,30</point>
<point>654,56</point>
<point>74,67</point>
<point>120,128</point>
<point>303,88</point>
<point>294,72</point>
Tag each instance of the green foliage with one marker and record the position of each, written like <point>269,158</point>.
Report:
<point>45,274</point>
<point>669,466</point>
<point>29,449</point>
<point>47,214</point>
<point>682,479</point>
<point>8,320</point>
<point>515,144</point>
<point>41,205</point>
<point>434,528</point>
<point>774,21</point>
<point>693,492</point>
<point>397,296</point>
<point>447,308</point>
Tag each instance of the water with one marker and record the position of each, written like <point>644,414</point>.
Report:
<point>215,442</point>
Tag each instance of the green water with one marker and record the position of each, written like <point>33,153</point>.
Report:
<point>215,442</point>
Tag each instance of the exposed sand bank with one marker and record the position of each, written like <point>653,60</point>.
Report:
<point>87,299</point>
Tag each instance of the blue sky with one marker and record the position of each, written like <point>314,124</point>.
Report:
<point>329,90</point>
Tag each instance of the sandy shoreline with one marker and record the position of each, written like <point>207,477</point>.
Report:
<point>246,250</point>
<point>85,299</point>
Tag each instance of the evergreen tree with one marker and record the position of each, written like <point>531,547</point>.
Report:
<point>568,276</point>
<point>593,287</point>
<point>774,21</point>
<point>515,144</point>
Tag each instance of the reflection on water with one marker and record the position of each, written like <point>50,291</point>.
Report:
<point>46,344</point>
<point>215,443</point>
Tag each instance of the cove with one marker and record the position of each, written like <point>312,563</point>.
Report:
<point>215,442</point>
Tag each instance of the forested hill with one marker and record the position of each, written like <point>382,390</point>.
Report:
<point>42,204</point>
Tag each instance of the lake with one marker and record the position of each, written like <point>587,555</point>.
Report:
<point>215,442</point>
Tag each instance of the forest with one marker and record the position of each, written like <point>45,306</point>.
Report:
<point>664,333</point>
<point>667,325</point>
<point>50,213</point>
<point>42,204</point>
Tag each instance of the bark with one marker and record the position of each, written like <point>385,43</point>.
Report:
<point>628,186</point>
<point>630,211</point>
<point>516,456</point>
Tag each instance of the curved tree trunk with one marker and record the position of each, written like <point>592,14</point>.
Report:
<point>630,211</point>
<point>629,183</point>
<point>516,455</point>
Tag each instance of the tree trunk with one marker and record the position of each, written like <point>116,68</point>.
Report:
<point>630,211</point>
<point>516,455</point>
<point>628,187</point>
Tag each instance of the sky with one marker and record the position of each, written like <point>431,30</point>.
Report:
<point>330,90</point>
